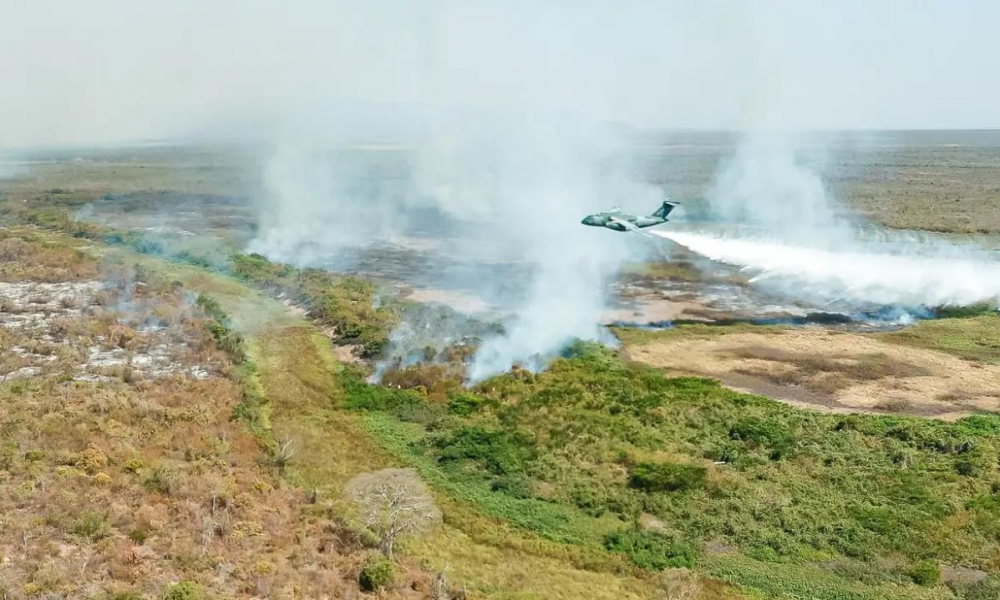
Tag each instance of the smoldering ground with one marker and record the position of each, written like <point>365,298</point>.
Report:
<point>494,209</point>
<point>455,102</point>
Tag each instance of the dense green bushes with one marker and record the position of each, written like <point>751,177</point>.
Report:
<point>652,550</point>
<point>499,452</point>
<point>771,434</point>
<point>184,590</point>
<point>925,573</point>
<point>376,572</point>
<point>667,477</point>
<point>589,448</point>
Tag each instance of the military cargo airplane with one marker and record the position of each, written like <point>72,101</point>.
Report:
<point>617,220</point>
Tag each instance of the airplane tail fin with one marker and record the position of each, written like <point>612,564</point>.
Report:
<point>665,209</point>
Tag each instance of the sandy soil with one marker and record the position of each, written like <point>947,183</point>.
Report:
<point>462,303</point>
<point>656,309</point>
<point>907,380</point>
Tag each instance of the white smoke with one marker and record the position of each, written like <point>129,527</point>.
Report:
<point>907,273</point>
<point>513,188</point>
<point>782,224</point>
<point>771,183</point>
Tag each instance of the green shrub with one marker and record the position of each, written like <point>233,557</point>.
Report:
<point>34,455</point>
<point>376,572</point>
<point>516,486</point>
<point>406,405</point>
<point>651,550</point>
<point>163,479</point>
<point>771,434</point>
<point>667,477</point>
<point>184,590</point>
<point>987,589</point>
<point>925,573</point>
<point>965,312</point>
<point>464,404</point>
<point>139,536</point>
<point>967,467</point>
<point>500,452</point>
<point>92,525</point>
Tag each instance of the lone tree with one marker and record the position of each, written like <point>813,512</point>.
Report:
<point>393,503</point>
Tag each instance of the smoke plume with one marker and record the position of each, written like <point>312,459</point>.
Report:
<point>779,221</point>
<point>508,193</point>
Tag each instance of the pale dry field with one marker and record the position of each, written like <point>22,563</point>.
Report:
<point>834,371</point>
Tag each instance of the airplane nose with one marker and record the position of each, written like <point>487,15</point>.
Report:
<point>589,220</point>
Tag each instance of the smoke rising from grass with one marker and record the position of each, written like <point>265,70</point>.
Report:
<point>781,223</point>
<point>510,192</point>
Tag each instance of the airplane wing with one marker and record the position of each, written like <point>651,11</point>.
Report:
<point>628,225</point>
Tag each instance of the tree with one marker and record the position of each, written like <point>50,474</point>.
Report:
<point>393,503</point>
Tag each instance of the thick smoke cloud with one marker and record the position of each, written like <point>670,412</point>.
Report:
<point>508,191</point>
<point>780,223</point>
<point>504,118</point>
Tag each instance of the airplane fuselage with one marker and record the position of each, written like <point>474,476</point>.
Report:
<point>616,222</point>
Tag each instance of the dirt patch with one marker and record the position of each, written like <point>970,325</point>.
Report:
<point>835,371</point>
<point>653,308</point>
<point>458,301</point>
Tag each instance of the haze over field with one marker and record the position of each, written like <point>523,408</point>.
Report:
<point>112,71</point>
<point>516,117</point>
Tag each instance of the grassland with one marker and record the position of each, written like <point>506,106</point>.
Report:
<point>943,181</point>
<point>975,339</point>
<point>683,473</point>
<point>119,482</point>
<point>597,479</point>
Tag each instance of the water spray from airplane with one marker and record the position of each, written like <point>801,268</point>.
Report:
<point>900,273</point>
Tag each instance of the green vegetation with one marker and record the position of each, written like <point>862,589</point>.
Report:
<point>93,526</point>
<point>632,336</point>
<point>350,305</point>
<point>654,477</point>
<point>377,572</point>
<point>652,550</point>
<point>587,452</point>
<point>976,338</point>
<point>184,590</point>
<point>925,573</point>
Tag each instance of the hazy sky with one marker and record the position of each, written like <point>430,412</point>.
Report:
<point>107,70</point>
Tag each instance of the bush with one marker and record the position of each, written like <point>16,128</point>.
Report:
<point>376,572</point>
<point>500,452</point>
<point>185,590</point>
<point>771,434</point>
<point>92,525</point>
<point>515,486</point>
<point>139,536</point>
<point>925,573</point>
<point>967,468</point>
<point>650,550</point>
<point>987,589</point>
<point>163,479</point>
<point>667,477</point>
<point>464,404</point>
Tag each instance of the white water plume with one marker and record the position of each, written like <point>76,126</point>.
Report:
<point>901,273</point>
